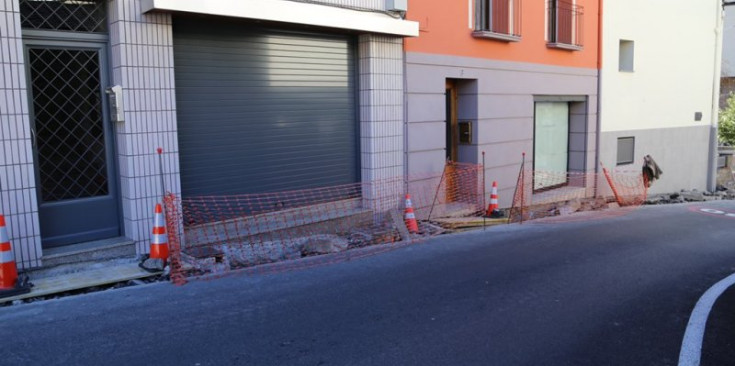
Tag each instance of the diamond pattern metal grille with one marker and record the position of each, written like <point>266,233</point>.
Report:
<point>65,15</point>
<point>69,123</point>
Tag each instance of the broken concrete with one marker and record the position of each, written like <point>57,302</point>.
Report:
<point>264,252</point>
<point>152,264</point>
<point>693,196</point>
<point>322,244</point>
<point>570,208</point>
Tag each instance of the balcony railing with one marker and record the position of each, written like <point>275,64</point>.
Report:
<point>566,24</point>
<point>499,19</point>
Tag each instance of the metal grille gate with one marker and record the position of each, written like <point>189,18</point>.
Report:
<point>64,15</point>
<point>68,115</point>
<point>66,50</point>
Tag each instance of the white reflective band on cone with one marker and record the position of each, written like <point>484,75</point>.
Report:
<point>408,203</point>
<point>7,257</point>
<point>159,221</point>
<point>410,215</point>
<point>160,239</point>
<point>4,235</point>
<point>493,200</point>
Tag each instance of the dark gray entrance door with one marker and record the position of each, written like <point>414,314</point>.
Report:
<point>263,109</point>
<point>77,195</point>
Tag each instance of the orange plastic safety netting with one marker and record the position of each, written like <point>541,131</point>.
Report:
<point>215,234</point>
<point>541,194</point>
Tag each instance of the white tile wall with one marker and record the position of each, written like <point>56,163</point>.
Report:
<point>381,111</point>
<point>17,177</point>
<point>362,4</point>
<point>142,63</point>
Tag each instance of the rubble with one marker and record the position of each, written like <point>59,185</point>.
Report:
<point>152,264</point>
<point>691,196</point>
<point>265,252</point>
<point>323,244</point>
<point>570,208</point>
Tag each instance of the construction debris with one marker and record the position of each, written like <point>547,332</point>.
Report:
<point>400,224</point>
<point>152,264</point>
<point>454,223</point>
<point>323,244</point>
<point>691,196</point>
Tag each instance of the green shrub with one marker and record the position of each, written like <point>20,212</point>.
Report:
<point>727,122</point>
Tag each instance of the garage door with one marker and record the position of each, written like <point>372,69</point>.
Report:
<point>263,110</point>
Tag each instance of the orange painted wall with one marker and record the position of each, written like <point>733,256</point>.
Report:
<point>444,29</point>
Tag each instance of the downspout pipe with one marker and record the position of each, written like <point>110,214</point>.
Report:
<point>714,140</point>
<point>598,131</point>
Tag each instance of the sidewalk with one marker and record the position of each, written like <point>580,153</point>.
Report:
<point>70,279</point>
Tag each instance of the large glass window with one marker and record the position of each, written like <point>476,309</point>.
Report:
<point>551,144</point>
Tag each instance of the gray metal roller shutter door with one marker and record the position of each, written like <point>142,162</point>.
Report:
<point>263,110</point>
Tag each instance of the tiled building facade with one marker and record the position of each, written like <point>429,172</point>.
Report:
<point>138,55</point>
<point>18,191</point>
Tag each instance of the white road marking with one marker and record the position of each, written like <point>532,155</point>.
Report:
<point>691,346</point>
<point>712,211</point>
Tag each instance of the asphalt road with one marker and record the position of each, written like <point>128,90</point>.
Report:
<point>617,291</point>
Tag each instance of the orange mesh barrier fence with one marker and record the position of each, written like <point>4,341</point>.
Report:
<point>216,234</point>
<point>540,194</point>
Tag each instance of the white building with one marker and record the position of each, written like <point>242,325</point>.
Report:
<point>659,83</point>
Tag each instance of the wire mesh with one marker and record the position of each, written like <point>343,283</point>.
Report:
<point>541,194</point>
<point>64,15</point>
<point>216,234</point>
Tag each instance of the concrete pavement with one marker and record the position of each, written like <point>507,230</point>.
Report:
<point>617,291</point>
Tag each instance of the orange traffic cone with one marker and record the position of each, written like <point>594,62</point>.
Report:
<point>10,283</point>
<point>158,257</point>
<point>159,240</point>
<point>411,223</point>
<point>492,208</point>
<point>8,270</point>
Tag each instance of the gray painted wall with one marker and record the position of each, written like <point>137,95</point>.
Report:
<point>676,151</point>
<point>501,105</point>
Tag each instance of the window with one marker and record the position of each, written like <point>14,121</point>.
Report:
<point>627,51</point>
<point>626,150</point>
<point>63,15</point>
<point>498,19</point>
<point>565,24</point>
<point>550,144</point>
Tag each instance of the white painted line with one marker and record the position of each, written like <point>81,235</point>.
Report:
<point>691,346</point>
<point>713,211</point>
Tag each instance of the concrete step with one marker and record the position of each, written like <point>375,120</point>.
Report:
<point>93,251</point>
